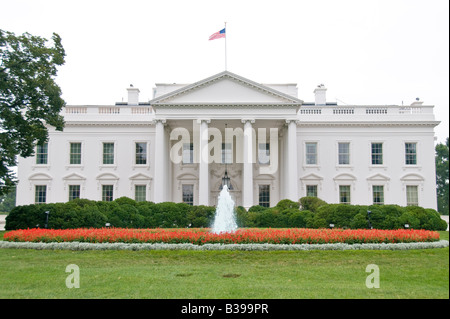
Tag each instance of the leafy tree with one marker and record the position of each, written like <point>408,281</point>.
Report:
<point>30,100</point>
<point>442,175</point>
<point>8,201</point>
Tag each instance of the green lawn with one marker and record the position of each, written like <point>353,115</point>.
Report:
<point>225,274</point>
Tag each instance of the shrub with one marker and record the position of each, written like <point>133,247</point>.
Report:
<point>127,213</point>
<point>287,204</point>
<point>241,216</point>
<point>125,200</point>
<point>256,208</point>
<point>27,216</point>
<point>311,203</point>
<point>200,216</point>
<point>301,219</point>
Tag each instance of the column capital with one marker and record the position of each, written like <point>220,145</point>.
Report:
<point>289,121</point>
<point>200,121</point>
<point>162,121</point>
<point>252,121</point>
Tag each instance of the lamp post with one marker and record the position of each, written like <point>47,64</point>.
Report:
<point>46,219</point>
<point>368,216</point>
<point>226,179</point>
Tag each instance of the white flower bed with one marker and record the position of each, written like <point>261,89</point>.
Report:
<point>248,247</point>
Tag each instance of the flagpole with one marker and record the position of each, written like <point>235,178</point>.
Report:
<point>225,46</point>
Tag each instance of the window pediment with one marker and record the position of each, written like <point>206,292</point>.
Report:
<point>74,177</point>
<point>412,177</point>
<point>40,177</point>
<point>107,176</point>
<point>378,177</point>
<point>345,177</point>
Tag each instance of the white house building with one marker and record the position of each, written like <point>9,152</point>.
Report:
<point>269,143</point>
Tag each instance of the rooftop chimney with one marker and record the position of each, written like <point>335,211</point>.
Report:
<point>133,95</point>
<point>320,93</point>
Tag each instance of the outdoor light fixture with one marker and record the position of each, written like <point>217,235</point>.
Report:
<point>368,216</point>
<point>331,226</point>
<point>226,179</point>
<point>107,225</point>
<point>46,218</point>
<point>406,226</point>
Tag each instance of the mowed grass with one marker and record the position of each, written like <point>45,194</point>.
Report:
<point>224,274</point>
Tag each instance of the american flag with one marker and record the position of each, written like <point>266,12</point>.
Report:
<point>218,35</point>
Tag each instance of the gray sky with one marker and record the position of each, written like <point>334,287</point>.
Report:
<point>379,52</point>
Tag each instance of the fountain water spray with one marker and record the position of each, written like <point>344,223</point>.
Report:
<point>225,220</point>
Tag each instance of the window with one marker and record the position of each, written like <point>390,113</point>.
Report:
<point>411,153</point>
<point>74,192</point>
<point>412,195</point>
<point>40,194</point>
<point>108,153</point>
<point>378,194</point>
<point>188,153</point>
<point>226,153</point>
<point>141,153</point>
<point>344,194</point>
<point>264,195</point>
<point>344,153</point>
<point>311,190</point>
<point>107,193</point>
<point>188,194</point>
<point>264,153</point>
<point>75,153</point>
<point>311,153</point>
<point>377,153</point>
<point>140,193</point>
<point>42,154</point>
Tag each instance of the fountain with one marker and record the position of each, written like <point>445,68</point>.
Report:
<point>225,220</point>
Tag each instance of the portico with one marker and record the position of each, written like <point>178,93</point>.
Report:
<point>229,121</point>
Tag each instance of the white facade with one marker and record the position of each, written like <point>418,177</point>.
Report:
<point>277,147</point>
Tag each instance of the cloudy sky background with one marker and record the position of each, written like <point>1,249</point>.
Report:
<point>377,52</point>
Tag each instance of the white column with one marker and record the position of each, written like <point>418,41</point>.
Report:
<point>247,178</point>
<point>160,176</point>
<point>291,170</point>
<point>203,176</point>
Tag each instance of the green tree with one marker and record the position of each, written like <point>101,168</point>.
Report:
<point>442,175</point>
<point>30,100</point>
<point>8,201</point>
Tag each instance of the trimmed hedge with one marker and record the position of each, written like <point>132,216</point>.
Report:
<point>308,212</point>
<point>315,213</point>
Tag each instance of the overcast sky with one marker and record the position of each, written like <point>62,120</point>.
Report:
<point>379,52</point>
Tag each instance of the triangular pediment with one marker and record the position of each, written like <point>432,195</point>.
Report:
<point>311,177</point>
<point>378,177</point>
<point>140,176</point>
<point>107,176</point>
<point>73,177</point>
<point>412,177</point>
<point>227,88</point>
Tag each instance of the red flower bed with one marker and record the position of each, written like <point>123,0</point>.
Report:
<point>201,236</point>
